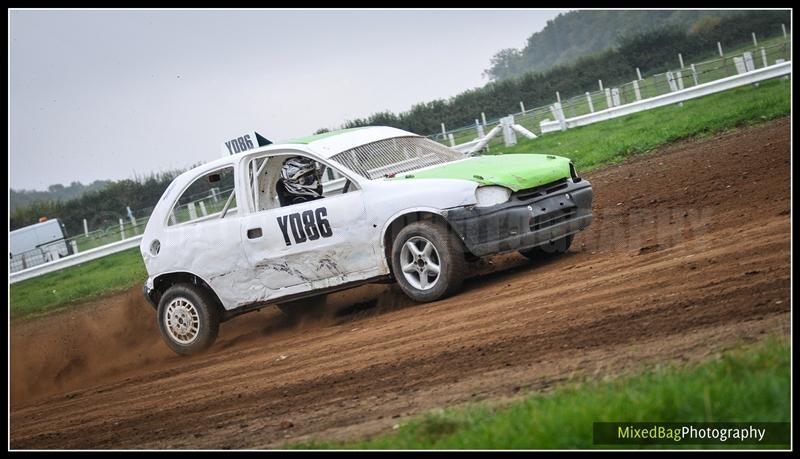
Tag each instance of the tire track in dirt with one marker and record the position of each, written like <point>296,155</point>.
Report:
<point>688,256</point>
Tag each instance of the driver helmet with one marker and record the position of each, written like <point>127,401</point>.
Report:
<point>301,176</point>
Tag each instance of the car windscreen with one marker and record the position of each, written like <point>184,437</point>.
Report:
<point>396,155</point>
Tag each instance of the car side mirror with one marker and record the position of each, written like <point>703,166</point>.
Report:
<point>214,178</point>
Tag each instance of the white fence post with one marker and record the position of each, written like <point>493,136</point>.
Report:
<point>680,59</point>
<point>755,42</point>
<point>679,79</point>
<point>608,98</point>
<point>694,75</point>
<point>615,97</point>
<point>739,63</point>
<point>509,137</point>
<point>589,100</point>
<point>783,26</point>
<point>444,131</point>
<point>121,229</point>
<point>85,228</point>
<point>74,246</point>
<point>451,139</point>
<point>479,127</point>
<point>192,211</point>
<point>638,74</point>
<point>558,111</point>
<point>214,194</point>
<point>764,56</point>
<point>203,208</point>
<point>719,47</point>
<point>521,107</point>
<point>636,90</point>
<point>749,65</point>
<point>558,97</point>
<point>600,82</point>
<point>483,118</point>
<point>133,220</point>
<point>523,131</point>
<point>671,81</point>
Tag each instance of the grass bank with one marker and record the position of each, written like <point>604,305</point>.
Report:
<point>114,273</point>
<point>750,384</point>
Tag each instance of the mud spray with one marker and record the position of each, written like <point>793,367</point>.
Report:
<point>117,337</point>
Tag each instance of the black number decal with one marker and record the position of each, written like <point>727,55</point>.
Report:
<point>239,144</point>
<point>282,220</point>
<point>308,226</point>
<point>324,226</point>
<point>297,229</point>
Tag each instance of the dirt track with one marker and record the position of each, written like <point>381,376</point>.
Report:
<point>688,256</point>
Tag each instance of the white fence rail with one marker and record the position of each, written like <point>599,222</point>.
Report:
<point>73,260</point>
<point>723,84</point>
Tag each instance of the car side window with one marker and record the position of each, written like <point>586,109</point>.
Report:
<point>313,180</point>
<point>334,183</point>
<point>208,196</point>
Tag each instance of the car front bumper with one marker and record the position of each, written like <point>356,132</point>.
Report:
<point>530,218</point>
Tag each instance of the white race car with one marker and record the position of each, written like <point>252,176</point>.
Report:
<point>393,206</point>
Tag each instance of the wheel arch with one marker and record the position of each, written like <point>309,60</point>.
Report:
<point>162,282</point>
<point>399,221</point>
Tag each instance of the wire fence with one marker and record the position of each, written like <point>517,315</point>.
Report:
<point>649,86</point>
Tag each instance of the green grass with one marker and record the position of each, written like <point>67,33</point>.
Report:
<point>750,384</point>
<point>589,146</point>
<point>114,273</point>
<point>616,140</point>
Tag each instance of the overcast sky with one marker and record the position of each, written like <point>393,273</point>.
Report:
<point>109,94</point>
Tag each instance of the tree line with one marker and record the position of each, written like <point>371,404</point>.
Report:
<point>57,192</point>
<point>578,33</point>
<point>102,208</point>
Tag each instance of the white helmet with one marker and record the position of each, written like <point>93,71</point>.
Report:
<point>301,177</point>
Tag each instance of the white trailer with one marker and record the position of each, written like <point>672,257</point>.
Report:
<point>37,244</point>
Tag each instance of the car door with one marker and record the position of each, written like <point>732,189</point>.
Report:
<point>311,241</point>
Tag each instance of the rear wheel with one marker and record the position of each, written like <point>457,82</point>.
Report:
<point>188,319</point>
<point>548,249</point>
<point>428,261</point>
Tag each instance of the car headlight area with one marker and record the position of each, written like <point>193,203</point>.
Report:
<point>487,196</point>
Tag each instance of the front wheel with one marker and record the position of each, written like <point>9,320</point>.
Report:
<point>188,319</point>
<point>428,261</point>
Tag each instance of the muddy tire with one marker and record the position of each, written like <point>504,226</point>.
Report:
<point>428,261</point>
<point>188,318</point>
<point>549,249</point>
<point>312,308</point>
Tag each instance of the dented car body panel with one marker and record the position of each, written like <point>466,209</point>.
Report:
<point>255,252</point>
